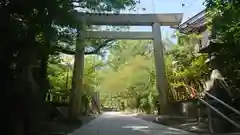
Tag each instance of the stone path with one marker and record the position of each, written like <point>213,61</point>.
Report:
<point>116,123</point>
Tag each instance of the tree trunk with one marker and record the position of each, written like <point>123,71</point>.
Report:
<point>43,81</point>
<point>26,92</point>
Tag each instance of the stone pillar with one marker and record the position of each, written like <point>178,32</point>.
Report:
<point>161,82</point>
<point>77,81</point>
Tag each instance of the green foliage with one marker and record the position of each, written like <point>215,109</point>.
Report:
<point>57,75</point>
<point>38,31</point>
<point>188,69</point>
<point>129,75</point>
<point>225,28</point>
<point>185,68</point>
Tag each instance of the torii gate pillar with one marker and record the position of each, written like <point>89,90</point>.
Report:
<point>161,80</point>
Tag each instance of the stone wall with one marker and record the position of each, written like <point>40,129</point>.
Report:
<point>188,108</point>
<point>175,108</point>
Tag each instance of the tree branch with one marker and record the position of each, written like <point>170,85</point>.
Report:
<point>95,51</point>
<point>100,46</point>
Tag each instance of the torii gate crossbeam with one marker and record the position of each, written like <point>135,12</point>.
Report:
<point>166,19</point>
<point>154,20</point>
<point>118,35</point>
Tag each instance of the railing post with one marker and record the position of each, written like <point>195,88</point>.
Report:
<point>161,82</point>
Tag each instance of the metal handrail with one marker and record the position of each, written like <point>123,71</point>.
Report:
<point>223,103</point>
<point>219,112</point>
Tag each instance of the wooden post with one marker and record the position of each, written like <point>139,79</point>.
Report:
<point>77,81</point>
<point>161,82</point>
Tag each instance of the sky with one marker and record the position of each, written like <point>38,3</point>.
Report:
<point>190,8</point>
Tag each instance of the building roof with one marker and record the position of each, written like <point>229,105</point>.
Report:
<point>195,24</point>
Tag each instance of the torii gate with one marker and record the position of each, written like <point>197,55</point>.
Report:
<point>154,20</point>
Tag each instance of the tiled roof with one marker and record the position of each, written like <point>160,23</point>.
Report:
<point>196,22</point>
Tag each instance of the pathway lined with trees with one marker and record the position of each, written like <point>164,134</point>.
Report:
<point>36,34</point>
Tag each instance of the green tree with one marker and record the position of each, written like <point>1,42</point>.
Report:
<point>32,31</point>
<point>185,68</point>
<point>224,26</point>
<point>130,73</point>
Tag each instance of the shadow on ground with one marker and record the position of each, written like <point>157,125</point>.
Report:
<point>183,123</point>
<point>60,125</point>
